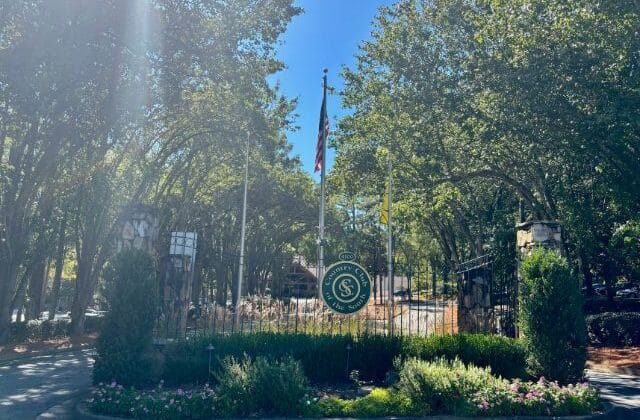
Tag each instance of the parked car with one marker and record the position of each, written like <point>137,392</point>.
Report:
<point>598,289</point>
<point>630,292</point>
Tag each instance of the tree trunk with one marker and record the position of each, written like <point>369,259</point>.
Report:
<point>17,303</point>
<point>55,288</point>
<point>586,272</point>
<point>8,278</point>
<point>85,285</point>
<point>37,283</point>
<point>433,279</point>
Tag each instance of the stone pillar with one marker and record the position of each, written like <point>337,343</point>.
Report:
<point>138,228</point>
<point>474,300</point>
<point>540,233</point>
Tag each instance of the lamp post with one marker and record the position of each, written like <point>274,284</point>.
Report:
<point>348,354</point>
<point>210,348</point>
<point>242,235</point>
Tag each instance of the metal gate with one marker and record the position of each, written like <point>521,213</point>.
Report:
<point>486,304</point>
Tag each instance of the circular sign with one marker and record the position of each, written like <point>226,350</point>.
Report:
<point>347,256</point>
<point>346,287</point>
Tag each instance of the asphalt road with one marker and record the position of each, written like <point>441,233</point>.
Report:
<point>621,390</point>
<point>33,386</point>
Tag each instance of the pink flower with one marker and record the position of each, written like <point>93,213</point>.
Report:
<point>515,387</point>
<point>113,384</point>
<point>548,411</point>
<point>485,404</point>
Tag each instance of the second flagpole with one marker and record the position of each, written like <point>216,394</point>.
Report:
<point>321,240</point>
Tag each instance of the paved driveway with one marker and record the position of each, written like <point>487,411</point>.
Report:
<point>621,390</point>
<point>32,386</point>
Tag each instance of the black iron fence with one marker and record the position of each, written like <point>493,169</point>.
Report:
<point>422,303</point>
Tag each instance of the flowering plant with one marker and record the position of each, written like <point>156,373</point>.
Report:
<point>157,403</point>
<point>541,398</point>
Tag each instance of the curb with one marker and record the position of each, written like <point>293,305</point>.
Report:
<point>610,412</point>
<point>35,354</point>
<point>83,410</point>
<point>620,370</point>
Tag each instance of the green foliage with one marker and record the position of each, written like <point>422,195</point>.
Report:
<point>551,318</point>
<point>441,386</point>
<point>614,329</point>
<point>505,356</point>
<point>624,248</point>
<point>157,403</point>
<point>36,330</point>
<point>272,388</point>
<point>487,103</point>
<point>380,402</point>
<point>263,388</point>
<point>124,347</point>
<point>324,357</point>
<point>542,398</point>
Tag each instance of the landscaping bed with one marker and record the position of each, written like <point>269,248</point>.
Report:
<point>294,375</point>
<point>267,388</point>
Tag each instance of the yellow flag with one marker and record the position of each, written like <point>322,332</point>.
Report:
<point>384,212</point>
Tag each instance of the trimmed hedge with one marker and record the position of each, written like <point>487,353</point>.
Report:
<point>124,348</point>
<point>37,330</point>
<point>599,304</point>
<point>551,319</point>
<point>614,329</point>
<point>330,358</point>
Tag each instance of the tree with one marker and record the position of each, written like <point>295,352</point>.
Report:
<point>486,103</point>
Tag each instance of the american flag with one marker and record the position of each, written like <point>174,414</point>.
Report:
<point>323,132</point>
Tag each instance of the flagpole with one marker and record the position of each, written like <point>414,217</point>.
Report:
<point>390,250</point>
<point>242,235</point>
<point>321,240</point>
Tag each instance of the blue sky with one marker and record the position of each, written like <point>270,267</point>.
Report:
<point>326,35</point>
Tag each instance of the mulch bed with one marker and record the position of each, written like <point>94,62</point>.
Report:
<point>608,358</point>
<point>17,350</point>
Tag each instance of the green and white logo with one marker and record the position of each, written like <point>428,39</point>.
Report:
<point>346,287</point>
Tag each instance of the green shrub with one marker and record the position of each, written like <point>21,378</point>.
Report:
<point>234,388</point>
<point>93,323</point>
<point>380,402</point>
<point>505,356</point>
<point>37,330</point>
<point>551,318</point>
<point>326,407</point>
<point>272,388</point>
<point>125,347</point>
<point>441,386</point>
<point>324,357</point>
<point>614,329</point>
